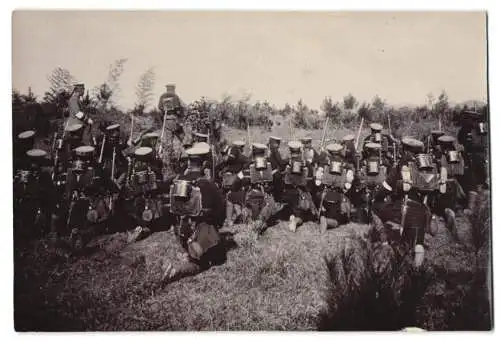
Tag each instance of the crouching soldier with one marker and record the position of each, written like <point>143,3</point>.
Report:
<point>141,194</point>
<point>86,207</point>
<point>295,193</point>
<point>32,194</point>
<point>334,177</point>
<point>371,178</point>
<point>198,207</point>
<point>234,162</point>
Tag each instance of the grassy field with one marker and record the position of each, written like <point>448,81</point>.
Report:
<point>283,281</point>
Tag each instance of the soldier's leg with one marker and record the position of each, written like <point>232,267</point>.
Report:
<point>229,213</point>
<point>269,209</point>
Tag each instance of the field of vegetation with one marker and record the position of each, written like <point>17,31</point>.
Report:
<point>283,281</point>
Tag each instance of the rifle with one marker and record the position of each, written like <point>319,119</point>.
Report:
<point>160,142</point>
<point>359,133</point>
<point>102,148</point>
<point>324,134</point>
<point>131,128</point>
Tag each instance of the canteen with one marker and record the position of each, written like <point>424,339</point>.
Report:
<point>424,161</point>
<point>378,137</point>
<point>336,167</point>
<point>296,167</point>
<point>482,128</point>
<point>181,189</point>
<point>372,167</point>
<point>453,156</point>
<point>260,163</point>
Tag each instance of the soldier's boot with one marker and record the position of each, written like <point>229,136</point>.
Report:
<point>434,225</point>
<point>419,256</point>
<point>472,203</point>
<point>237,212</point>
<point>229,214</point>
<point>326,223</point>
<point>451,222</point>
<point>294,222</point>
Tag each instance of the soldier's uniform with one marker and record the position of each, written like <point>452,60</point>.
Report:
<point>76,114</point>
<point>432,144</point>
<point>295,193</point>
<point>349,151</point>
<point>112,154</point>
<point>234,163</point>
<point>85,196</point>
<point>33,193</point>
<point>384,140</point>
<point>473,136</point>
<point>334,177</point>
<point>144,204</point>
<point>171,105</point>
<point>370,180</point>
<point>256,183</point>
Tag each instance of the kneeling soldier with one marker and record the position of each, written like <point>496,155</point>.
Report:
<point>335,176</point>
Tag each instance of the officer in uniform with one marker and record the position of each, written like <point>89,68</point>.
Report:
<point>171,105</point>
<point>76,114</point>
<point>474,138</point>
<point>198,206</point>
<point>33,196</point>
<point>295,193</point>
<point>334,178</point>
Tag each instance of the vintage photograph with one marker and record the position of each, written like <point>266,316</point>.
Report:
<point>251,171</point>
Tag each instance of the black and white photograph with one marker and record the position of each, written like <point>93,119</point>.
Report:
<point>231,170</point>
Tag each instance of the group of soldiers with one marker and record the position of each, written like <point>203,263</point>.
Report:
<point>84,185</point>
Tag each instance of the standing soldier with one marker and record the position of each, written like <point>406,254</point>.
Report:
<point>77,115</point>
<point>334,177</point>
<point>474,138</point>
<point>172,108</point>
<point>296,194</point>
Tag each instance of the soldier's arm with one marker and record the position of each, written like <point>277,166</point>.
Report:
<point>76,111</point>
<point>160,103</point>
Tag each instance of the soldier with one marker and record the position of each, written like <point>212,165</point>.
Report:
<point>432,143</point>
<point>172,108</point>
<point>81,203</point>
<point>234,162</point>
<point>384,140</point>
<point>369,181</point>
<point>256,183</point>
<point>349,148</point>
<point>474,138</point>
<point>25,142</point>
<point>452,161</point>
<point>112,156</point>
<point>77,115</point>
<point>198,206</point>
<point>295,192</point>
<point>143,204</point>
<point>32,193</point>
<point>334,177</point>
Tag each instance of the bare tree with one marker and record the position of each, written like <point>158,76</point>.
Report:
<point>108,91</point>
<point>144,90</point>
<point>60,82</point>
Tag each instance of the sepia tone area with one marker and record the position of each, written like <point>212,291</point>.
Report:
<point>251,171</point>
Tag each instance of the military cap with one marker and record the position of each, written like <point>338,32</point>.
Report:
<point>84,151</point>
<point>238,143</point>
<point>143,152</point>
<point>151,135</point>
<point>412,143</point>
<point>78,84</point>
<point>198,149</point>
<point>36,154</point>
<point>113,128</point>
<point>437,133</point>
<point>257,147</point>
<point>294,145</point>
<point>334,148</point>
<point>376,127</point>
<point>74,128</point>
<point>306,140</point>
<point>446,139</point>
<point>26,135</point>
<point>348,137</point>
<point>275,138</point>
<point>373,146</point>
<point>170,87</point>
<point>201,135</point>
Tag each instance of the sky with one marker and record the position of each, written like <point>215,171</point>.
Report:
<point>275,56</point>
